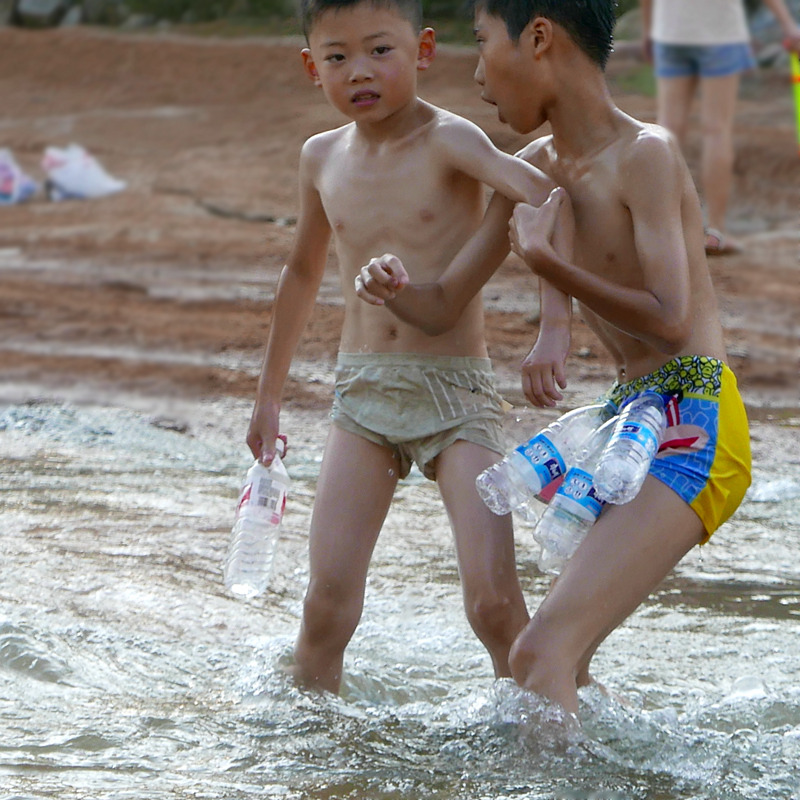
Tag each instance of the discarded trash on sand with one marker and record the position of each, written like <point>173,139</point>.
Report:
<point>73,173</point>
<point>15,185</point>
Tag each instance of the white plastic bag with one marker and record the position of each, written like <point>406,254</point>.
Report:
<point>72,173</point>
<point>15,185</point>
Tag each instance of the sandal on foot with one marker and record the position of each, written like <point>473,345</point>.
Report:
<point>717,244</point>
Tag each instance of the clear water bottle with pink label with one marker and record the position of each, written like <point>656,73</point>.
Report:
<point>256,530</point>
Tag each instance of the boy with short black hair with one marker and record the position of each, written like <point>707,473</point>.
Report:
<point>407,176</point>
<point>638,270</point>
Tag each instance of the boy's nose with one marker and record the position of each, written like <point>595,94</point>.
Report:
<point>478,77</point>
<point>360,70</point>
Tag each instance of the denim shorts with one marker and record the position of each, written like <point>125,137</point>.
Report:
<point>705,61</point>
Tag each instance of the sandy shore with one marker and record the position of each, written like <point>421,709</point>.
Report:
<point>164,290</point>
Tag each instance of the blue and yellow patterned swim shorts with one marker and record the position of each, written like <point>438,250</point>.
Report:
<point>705,453</point>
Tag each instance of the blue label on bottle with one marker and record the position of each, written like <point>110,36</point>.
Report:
<point>641,434</point>
<point>544,457</point>
<point>578,486</point>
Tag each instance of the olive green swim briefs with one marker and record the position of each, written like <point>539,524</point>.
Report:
<point>418,405</point>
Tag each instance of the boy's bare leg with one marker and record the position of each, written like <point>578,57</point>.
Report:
<point>625,556</point>
<point>355,487</point>
<point>493,599</point>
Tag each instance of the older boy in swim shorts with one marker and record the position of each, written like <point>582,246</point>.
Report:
<point>638,270</point>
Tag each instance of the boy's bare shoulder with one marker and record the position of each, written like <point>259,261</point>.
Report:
<point>650,144</point>
<point>443,118</point>
<point>649,156</point>
<point>319,146</point>
<point>447,126</point>
<point>539,152</point>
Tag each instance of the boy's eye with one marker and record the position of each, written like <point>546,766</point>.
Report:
<point>382,49</point>
<point>335,58</point>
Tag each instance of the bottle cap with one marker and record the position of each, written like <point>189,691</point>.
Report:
<point>653,393</point>
<point>640,395</point>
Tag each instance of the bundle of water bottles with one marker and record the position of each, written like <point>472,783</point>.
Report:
<point>588,457</point>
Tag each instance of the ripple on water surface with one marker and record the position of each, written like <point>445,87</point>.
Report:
<point>127,672</point>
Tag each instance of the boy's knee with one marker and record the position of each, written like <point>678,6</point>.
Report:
<point>495,615</point>
<point>330,612</point>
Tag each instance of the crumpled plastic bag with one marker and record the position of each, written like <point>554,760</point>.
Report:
<point>73,173</point>
<point>15,185</point>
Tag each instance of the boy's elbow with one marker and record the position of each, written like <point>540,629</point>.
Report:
<point>438,326</point>
<point>674,336</point>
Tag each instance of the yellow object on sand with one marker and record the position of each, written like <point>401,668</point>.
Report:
<point>796,83</point>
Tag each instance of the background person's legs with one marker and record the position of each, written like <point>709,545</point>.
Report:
<point>674,97</point>
<point>718,98</point>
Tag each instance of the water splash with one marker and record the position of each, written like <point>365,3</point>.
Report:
<point>128,672</point>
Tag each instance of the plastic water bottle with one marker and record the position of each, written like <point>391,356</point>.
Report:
<point>632,447</point>
<point>574,507</point>
<point>517,482</point>
<point>254,538</point>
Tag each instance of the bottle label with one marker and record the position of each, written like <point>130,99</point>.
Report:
<point>263,499</point>
<point>544,458</point>
<point>641,435</point>
<point>578,487</point>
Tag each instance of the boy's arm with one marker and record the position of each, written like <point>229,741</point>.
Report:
<point>658,312</point>
<point>435,307</point>
<point>469,150</point>
<point>543,368</point>
<point>294,301</point>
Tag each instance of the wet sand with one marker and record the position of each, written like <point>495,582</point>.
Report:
<point>164,290</point>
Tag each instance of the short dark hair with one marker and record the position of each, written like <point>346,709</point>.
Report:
<point>312,10</point>
<point>590,23</point>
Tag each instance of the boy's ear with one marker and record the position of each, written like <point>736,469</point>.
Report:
<point>310,66</point>
<point>539,36</point>
<point>427,48</point>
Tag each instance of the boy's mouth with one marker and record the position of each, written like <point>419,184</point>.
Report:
<point>365,98</point>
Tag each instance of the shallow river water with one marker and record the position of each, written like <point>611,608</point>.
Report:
<point>127,672</point>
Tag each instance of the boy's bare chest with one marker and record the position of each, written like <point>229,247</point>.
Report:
<point>603,226</point>
<point>392,196</point>
<point>603,230</point>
